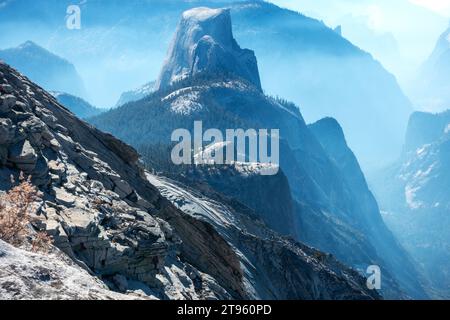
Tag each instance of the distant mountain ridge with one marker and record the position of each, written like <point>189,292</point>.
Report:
<point>300,58</point>
<point>414,195</point>
<point>425,128</point>
<point>78,106</point>
<point>432,86</point>
<point>45,68</point>
<point>136,94</point>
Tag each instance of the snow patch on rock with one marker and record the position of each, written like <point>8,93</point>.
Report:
<point>186,104</point>
<point>201,13</point>
<point>27,275</point>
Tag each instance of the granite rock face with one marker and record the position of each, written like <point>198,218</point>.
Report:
<point>273,267</point>
<point>25,276</point>
<point>366,216</point>
<point>97,204</point>
<point>269,196</point>
<point>425,128</point>
<point>204,43</point>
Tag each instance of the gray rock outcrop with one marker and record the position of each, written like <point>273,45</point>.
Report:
<point>97,204</point>
<point>25,275</point>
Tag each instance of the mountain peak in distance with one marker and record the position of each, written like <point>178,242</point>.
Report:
<point>204,43</point>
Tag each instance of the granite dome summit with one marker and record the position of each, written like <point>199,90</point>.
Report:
<point>204,42</point>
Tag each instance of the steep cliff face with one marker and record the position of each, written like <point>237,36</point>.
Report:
<point>414,195</point>
<point>204,43</point>
<point>366,216</point>
<point>425,128</point>
<point>269,196</point>
<point>105,214</point>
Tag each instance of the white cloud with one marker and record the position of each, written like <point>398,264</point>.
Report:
<point>439,6</point>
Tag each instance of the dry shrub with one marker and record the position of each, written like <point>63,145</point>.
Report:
<point>41,242</point>
<point>16,209</point>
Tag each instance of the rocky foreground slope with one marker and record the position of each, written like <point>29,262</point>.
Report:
<point>111,221</point>
<point>26,275</point>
